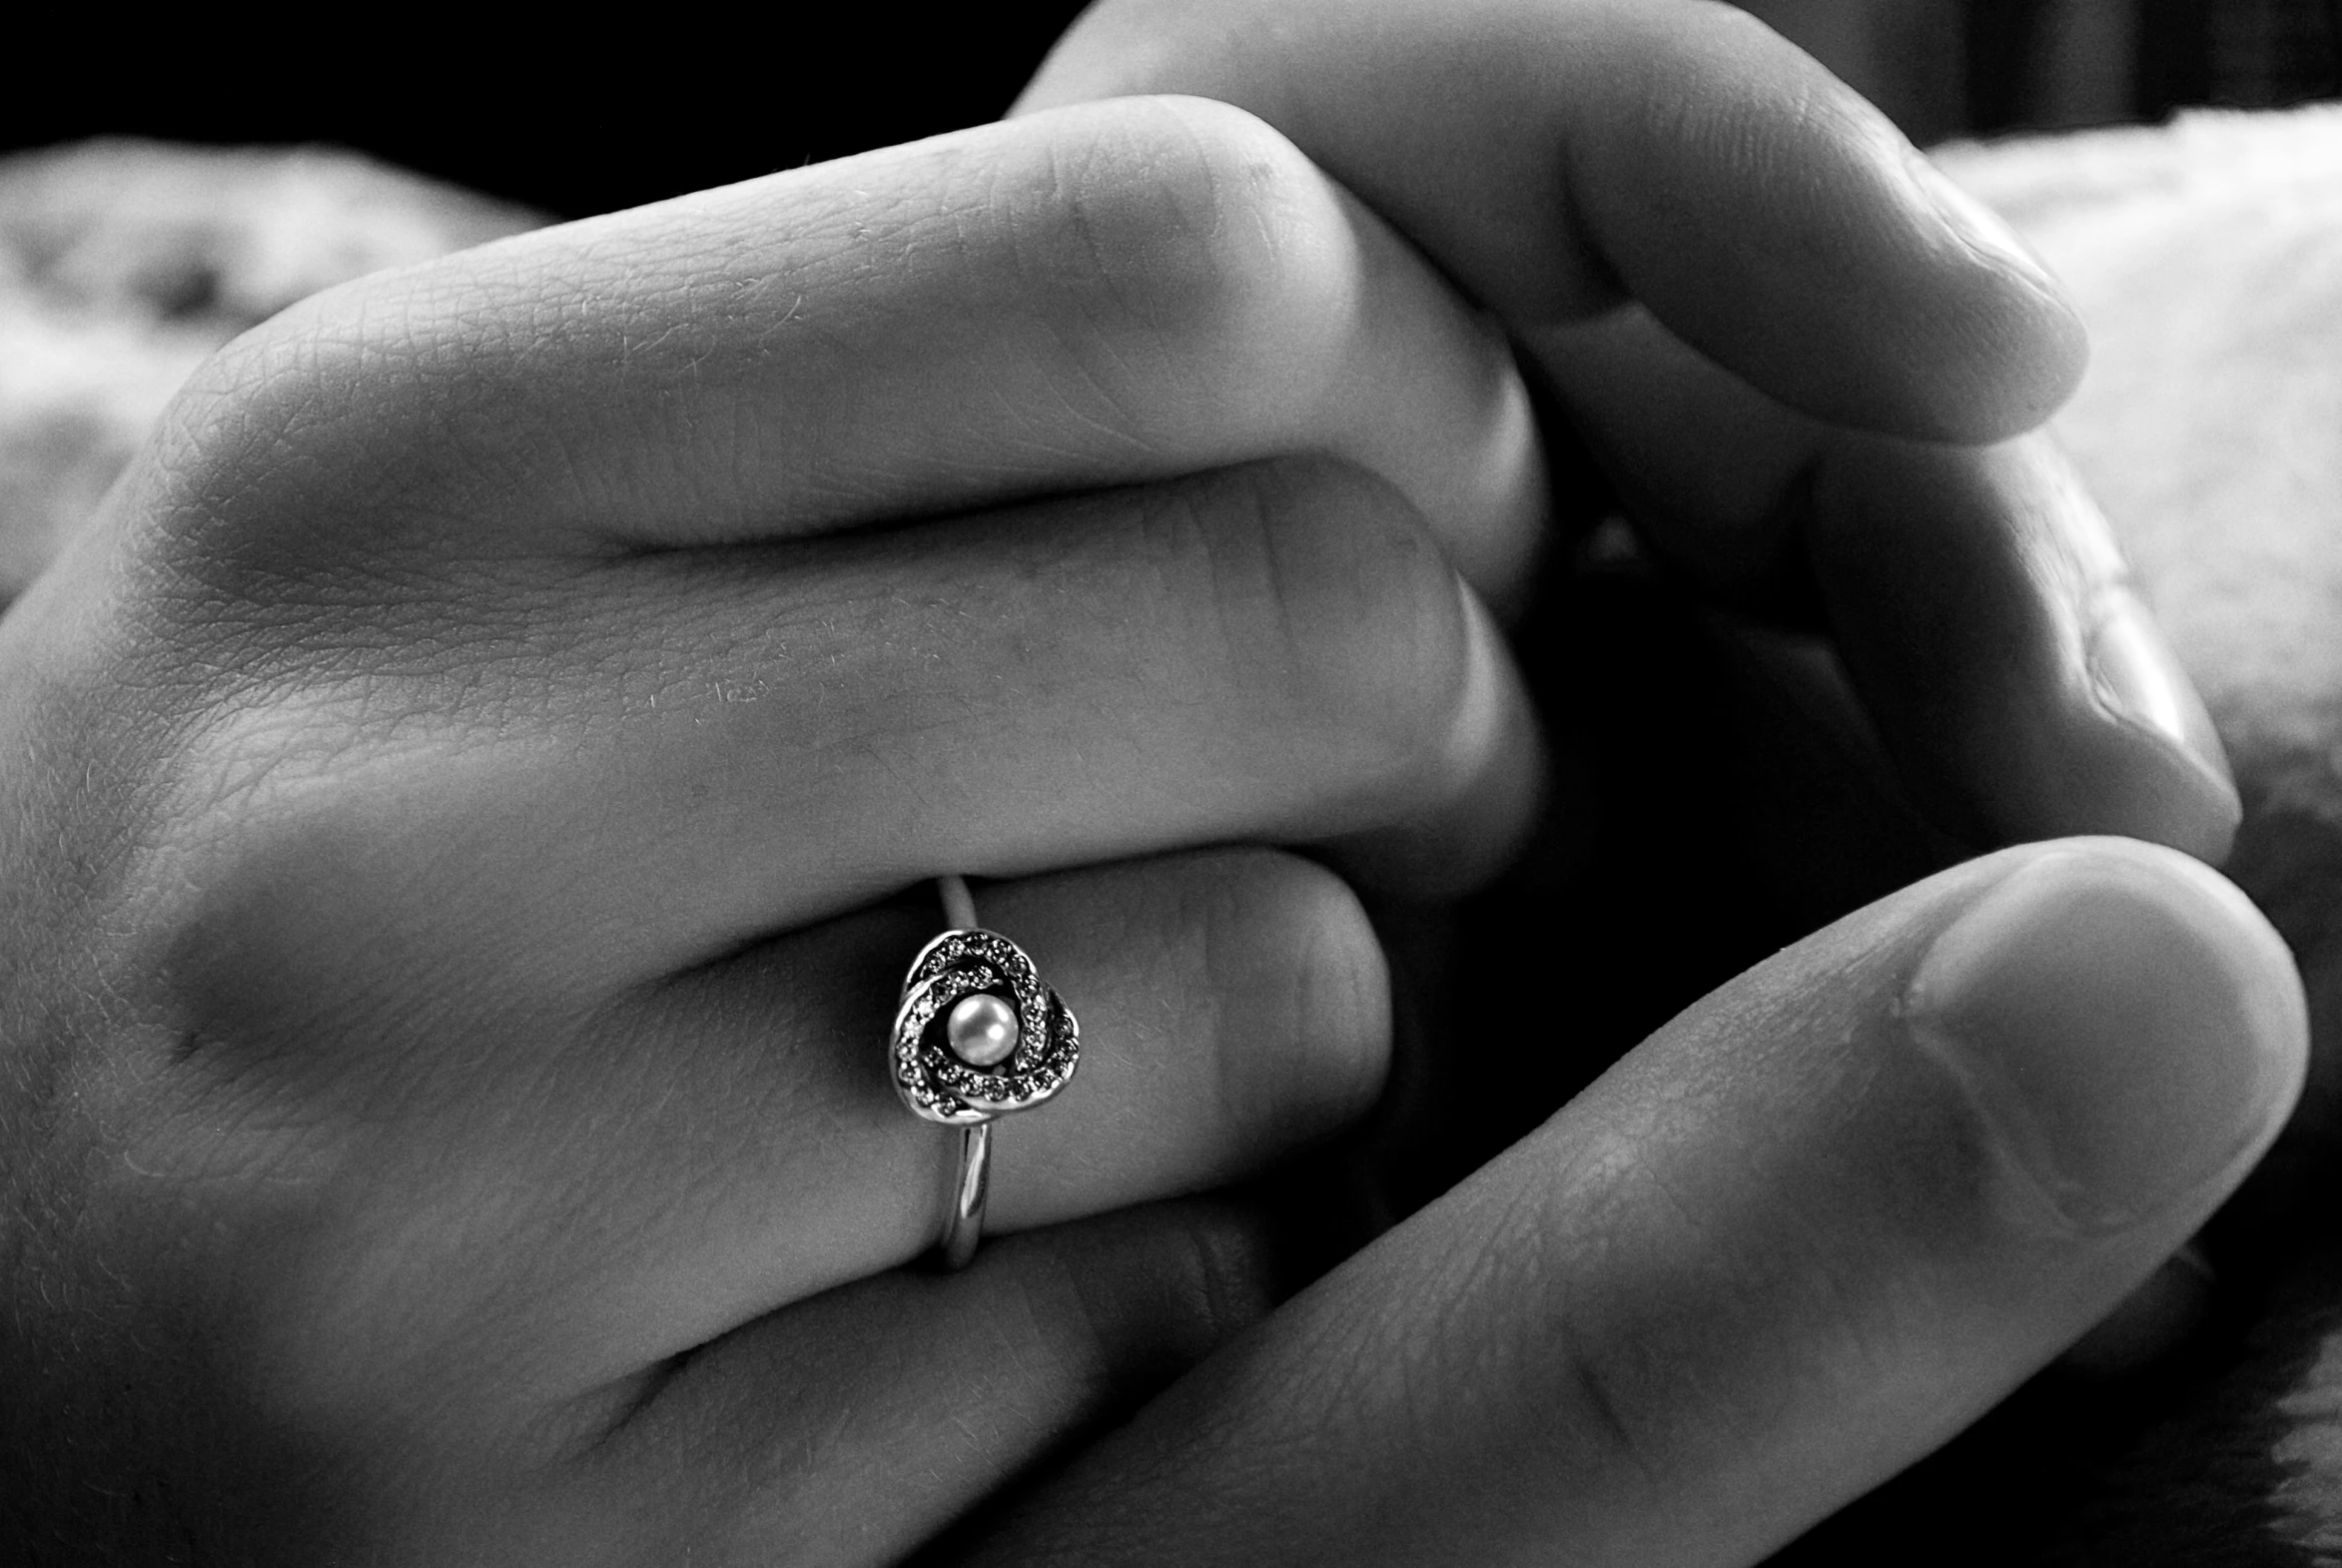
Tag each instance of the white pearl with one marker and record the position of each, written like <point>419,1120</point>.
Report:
<point>982,1030</point>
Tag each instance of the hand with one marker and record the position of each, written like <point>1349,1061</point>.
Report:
<point>1766,312</point>
<point>1800,420</point>
<point>2205,256</point>
<point>459,777</point>
<point>462,782</point>
<point>1992,513</point>
<point>1787,1247</point>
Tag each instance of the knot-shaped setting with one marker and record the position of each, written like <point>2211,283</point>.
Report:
<point>970,995</point>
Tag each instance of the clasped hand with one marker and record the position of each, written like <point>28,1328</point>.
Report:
<point>465,795</point>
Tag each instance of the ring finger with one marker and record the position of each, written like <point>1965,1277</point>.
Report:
<point>573,1208</point>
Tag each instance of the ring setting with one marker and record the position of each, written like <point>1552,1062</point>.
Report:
<point>976,1037</point>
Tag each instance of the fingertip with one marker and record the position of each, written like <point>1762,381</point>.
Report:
<point>2161,793</point>
<point>2024,688</point>
<point>2166,778</point>
<point>2028,340</point>
<point>1686,156</point>
<point>1862,286</point>
<point>2129,1027</point>
<point>1992,364</point>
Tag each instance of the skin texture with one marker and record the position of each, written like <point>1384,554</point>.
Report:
<point>1796,1237</point>
<point>573,811</point>
<point>471,775</point>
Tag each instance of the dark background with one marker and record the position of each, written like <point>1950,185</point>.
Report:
<point>572,121</point>
<point>570,124</point>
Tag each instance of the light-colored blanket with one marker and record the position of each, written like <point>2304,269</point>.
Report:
<point>2207,256</point>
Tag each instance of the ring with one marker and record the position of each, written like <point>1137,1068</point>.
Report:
<point>977,1036</point>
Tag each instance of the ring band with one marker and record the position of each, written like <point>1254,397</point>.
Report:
<point>971,1190</point>
<point>976,1037</point>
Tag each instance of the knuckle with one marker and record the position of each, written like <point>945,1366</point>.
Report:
<point>1335,599</point>
<point>1192,219</point>
<point>1610,1242</point>
<point>250,418</point>
<point>320,425</point>
<point>1622,1393</point>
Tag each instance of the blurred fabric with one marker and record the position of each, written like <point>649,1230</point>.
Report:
<point>2043,63</point>
<point>1948,68</point>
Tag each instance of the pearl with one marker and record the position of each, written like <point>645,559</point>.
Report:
<point>982,1030</point>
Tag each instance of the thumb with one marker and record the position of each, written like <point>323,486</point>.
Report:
<point>1798,1239</point>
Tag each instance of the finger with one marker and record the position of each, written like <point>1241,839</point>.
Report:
<point>1830,829</point>
<point>1554,157</point>
<point>722,746</point>
<point>2022,685</point>
<point>2167,1310</point>
<point>1874,294</point>
<point>1115,294</point>
<point>1977,595</point>
<point>1798,1239</point>
<point>551,1203</point>
<point>852,1427</point>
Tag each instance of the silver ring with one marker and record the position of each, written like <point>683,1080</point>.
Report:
<point>976,1037</point>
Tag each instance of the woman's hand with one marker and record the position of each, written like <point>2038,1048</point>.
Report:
<point>459,785</point>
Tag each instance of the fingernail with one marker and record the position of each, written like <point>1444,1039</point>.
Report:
<point>1980,229</point>
<point>2138,677</point>
<point>2123,1020</point>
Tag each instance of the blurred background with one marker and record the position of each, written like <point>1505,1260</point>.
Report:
<point>574,120</point>
<point>1984,67</point>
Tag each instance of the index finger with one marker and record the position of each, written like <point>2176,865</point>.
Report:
<point>1556,158</point>
<point>1113,294</point>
